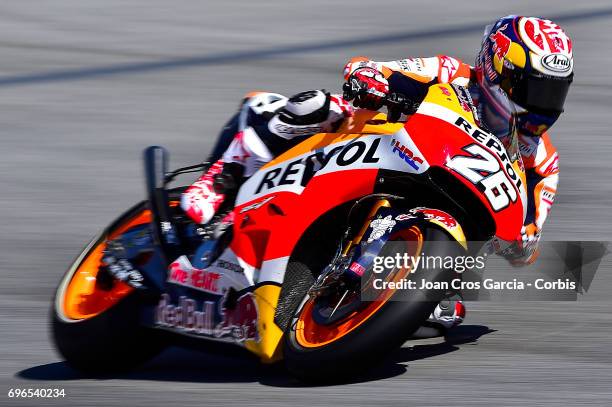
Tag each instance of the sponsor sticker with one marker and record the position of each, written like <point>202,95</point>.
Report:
<point>238,322</point>
<point>406,154</point>
<point>380,226</point>
<point>357,268</point>
<point>440,216</point>
<point>188,276</point>
<point>501,42</point>
<point>557,62</point>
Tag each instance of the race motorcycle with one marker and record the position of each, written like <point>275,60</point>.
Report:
<point>268,273</point>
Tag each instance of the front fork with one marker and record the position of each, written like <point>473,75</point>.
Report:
<point>352,265</point>
<point>333,273</point>
<point>380,203</point>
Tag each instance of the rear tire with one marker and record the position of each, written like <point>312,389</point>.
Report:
<point>111,341</point>
<point>383,332</point>
<point>111,338</point>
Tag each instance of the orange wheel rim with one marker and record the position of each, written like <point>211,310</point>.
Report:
<point>82,297</point>
<point>310,334</point>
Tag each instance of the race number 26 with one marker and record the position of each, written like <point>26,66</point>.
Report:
<point>483,169</point>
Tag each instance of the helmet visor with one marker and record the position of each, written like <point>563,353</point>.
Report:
<point>541,94</point>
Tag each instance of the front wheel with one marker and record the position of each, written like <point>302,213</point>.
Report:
<point>95,326</point>
<point>334,350</point>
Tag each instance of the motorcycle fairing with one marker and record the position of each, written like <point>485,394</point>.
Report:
<point>475,157</point>
<point>284,198</point>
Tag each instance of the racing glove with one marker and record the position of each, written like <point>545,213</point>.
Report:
<point>367,88</point>
<point>530,235</point>
<point>526,249</point>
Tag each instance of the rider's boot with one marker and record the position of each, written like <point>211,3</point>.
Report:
<point>201,201</point>
<point>449,312</point>
<point>217,186</point>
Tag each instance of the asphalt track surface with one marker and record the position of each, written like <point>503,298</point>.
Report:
<point>85,86</point>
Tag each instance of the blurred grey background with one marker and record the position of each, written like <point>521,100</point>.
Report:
<point>86,85</point>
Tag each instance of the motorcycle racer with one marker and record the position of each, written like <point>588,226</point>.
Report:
<point>267,125</point>
<point>519,82</point>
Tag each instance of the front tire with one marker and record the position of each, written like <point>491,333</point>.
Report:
<point>384,330</point>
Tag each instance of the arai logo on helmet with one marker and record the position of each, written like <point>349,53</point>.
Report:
<point>556,62</point>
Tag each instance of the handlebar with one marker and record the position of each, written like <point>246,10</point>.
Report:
<point>164,231</point>
<point>169,176</point>
<point>396,105</point>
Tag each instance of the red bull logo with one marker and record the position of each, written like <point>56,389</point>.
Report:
<point>185,316</point>
<point>501,42</point>
<point>240,321</point>
<point>440,216</point>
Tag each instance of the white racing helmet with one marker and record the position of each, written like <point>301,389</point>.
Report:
<point>307,113</point>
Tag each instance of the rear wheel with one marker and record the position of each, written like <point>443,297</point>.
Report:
<point>334,349</point>
<point>95,326</point>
